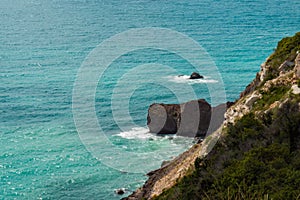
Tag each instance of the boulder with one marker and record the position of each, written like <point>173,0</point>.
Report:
<point>196,75</point>
<point>120,191</point>
<point>252,99</point>
<point>188,119</point>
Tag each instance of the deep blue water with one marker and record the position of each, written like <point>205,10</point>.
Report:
<point>43,44</point>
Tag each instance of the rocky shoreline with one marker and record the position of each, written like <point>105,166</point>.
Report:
<point>275,90</point>
<point>170,171</point>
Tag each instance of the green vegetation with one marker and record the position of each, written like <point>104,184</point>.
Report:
<point>286,50</point>
<point>258,161</point>
<point>274,94</point>
<point>298,83</point>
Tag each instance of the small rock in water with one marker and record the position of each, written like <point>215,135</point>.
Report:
<point>198,140</point>
<point>120,191</point>
<point>196,75</point>
<point>170,138</point>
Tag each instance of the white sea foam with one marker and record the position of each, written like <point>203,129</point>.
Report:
<point>137,133</point>
<point>186,79</point>
<point>144,134</point>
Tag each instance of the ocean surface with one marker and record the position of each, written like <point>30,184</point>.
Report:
<point>48,147</point>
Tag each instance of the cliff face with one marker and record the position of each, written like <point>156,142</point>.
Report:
<point>255,154</point>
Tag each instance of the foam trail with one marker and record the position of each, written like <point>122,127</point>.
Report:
<point>186,79</point>
<point>137,133</point>
<point>141,133</point>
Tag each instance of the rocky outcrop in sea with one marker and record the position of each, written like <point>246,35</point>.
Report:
<point>195,118</point>
<point>190,119</point>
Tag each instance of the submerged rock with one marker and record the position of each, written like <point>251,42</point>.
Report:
<point>196,75</point>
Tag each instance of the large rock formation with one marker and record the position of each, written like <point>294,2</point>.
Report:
<point>192,119</point>
<point>195,118</point>
<point>188,119</point>
<point>163,118</point>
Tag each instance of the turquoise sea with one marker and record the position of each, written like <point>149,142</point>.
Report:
<point>43,46</point>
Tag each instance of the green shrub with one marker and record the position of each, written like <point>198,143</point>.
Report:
<point>286,50</point>
<point>275,93</point>
<point>271,75</point>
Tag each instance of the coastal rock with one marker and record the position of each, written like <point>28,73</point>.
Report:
<point>217,117</point>
<point>264,68</point>
<point>191,119</point>
<point>120,191</point>
<point>297,66</point>
<point>250,95</point>
<point>166,176</point>
<point>188,119</point>
<point>252,99</point>
<point>295,89</point>
<point>165,163</point>
<point>286,66</point>
<point>195,118</point>
<point>258,79</point>
<point>163,118</point>
<point>196,75</point>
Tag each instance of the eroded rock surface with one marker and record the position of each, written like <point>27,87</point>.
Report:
<point>188,119</point>
<point>191,119</point>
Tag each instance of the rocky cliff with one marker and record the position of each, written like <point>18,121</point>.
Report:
<point>191,119</point>
<point>255,154</point>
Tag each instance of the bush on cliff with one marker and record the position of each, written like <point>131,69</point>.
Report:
<point>286,50</point>
<point>275,93</point>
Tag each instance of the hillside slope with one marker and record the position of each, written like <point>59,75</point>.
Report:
<point>256,152</point>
